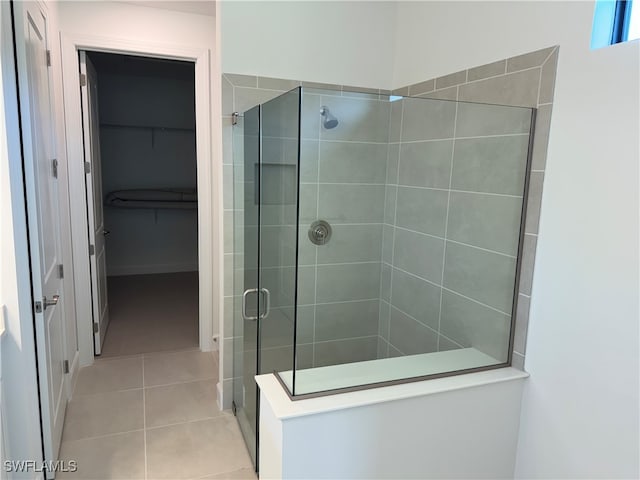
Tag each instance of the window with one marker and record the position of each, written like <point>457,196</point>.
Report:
<point>634,21</point>
<point>615,21</point>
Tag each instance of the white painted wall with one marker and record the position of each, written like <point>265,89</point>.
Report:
<point>580,407</point>
<point>344,43</point>
<point>134,24</point>
<point>137,22</point>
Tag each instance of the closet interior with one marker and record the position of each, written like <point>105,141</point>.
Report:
<point>149,201</point>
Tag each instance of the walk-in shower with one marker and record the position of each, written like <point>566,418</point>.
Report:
<point>376,242</point>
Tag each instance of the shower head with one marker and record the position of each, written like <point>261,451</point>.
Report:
<point>329,121</point>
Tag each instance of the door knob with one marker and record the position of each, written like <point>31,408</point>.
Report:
<point>50,303</point>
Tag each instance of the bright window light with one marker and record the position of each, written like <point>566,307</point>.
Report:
<point>634,21</point>
<point>615,21</point>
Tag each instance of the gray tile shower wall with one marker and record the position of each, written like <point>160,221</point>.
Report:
<point>452,220</point>
<point>332,164</point>
<point>345,169</point>
<point>347,190</point>
<point>526,80</point>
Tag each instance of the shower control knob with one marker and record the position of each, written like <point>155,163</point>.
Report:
<point>319,232</point>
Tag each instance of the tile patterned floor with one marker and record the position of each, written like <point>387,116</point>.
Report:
<point>152,416</point>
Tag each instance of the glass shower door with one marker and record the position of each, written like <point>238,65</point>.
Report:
<point>266,151</point>
<point>246,243</point>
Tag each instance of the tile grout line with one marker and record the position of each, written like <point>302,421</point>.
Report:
<point>444,240</point>
<point>361,337</point>
<point>144,429</point>
<point>183,382</point>
<point>451,291</point>
<point>221,416</point>
<point>470,192</point>
<point>420,323</point>
<point>106,435</point>
<point>346,183</point>
<point>403,185</point>
<point>476,301</point>
<point>469,82</point>
<point>446,224</point>
<point>424,324</point>
<point>553,50</point>
<point>525,201</point>
<point>540,84</point>
<point>468,137</point>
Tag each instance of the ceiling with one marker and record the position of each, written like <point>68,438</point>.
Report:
<point>200,7</point>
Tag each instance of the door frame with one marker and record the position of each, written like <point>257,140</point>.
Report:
<point>208,301</point>
<point>22,431</point>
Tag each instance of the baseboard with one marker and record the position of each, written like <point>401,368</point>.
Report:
<point>151,269</point>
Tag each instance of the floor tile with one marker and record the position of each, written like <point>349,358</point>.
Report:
<point>103,414</point>
<point>110,375</point>
<point>242,474</point>
<point>112,457</point>
<point>196,449</point>
<point>163,369</point>
<point>182,402</point>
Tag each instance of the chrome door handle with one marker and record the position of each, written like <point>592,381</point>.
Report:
<point>244,304</point>
<point>50,303</point>
<point>267,303</point>
<point>106,232</point>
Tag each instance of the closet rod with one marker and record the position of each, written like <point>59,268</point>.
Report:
<point>115,125</point>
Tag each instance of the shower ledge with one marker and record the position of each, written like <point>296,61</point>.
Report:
<point>332,377</point>
<point>283,407</point>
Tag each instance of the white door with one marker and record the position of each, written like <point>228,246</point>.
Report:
<point>97,250</point>
<point>43,216</point>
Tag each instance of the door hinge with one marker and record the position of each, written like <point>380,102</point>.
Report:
<point>60,271</point>
<point>65,366</point>
<point>234,408</point>
<point>92,249</point>
<point>38,307</point>
<point>96,328</point>
<point>87,167</point>
<point>234,118</point>
<point>48,58</point>
<point>54,168</point>
<point>83,80</point>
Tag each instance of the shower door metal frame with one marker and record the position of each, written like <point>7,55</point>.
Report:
<point>263,294</point>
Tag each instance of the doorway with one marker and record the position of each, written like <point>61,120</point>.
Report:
<point>137,409</point>
<point>208,231</point>
<point>142,202</point>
